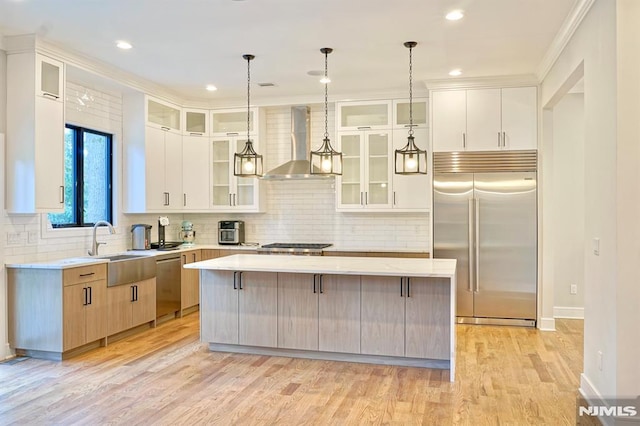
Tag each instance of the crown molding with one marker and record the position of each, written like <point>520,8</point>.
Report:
<point>563,36</point>
<point>482,82</point>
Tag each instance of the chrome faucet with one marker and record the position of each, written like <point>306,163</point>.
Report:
<point>95,244</point>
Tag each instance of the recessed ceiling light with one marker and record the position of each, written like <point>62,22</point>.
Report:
<point>454,15</point>
<point>325,80</point>
<point>124,45</point>
<point>211,88</point>
<point>455,73</point>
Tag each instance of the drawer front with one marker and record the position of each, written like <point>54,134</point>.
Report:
<point>84,274</point>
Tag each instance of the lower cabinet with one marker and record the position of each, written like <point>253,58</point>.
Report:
<point>319,312</point>
<point>84,313</point>
<point>240,308</point>
<point>397,314</point>
<point>189,280</point>
<point>130,305</point>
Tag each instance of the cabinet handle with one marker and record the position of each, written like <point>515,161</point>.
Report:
<point>87,274</point>
<point>366,198</point>
<point>401,285</point>
<point>321,289</point>
<point>408,286</point>
<point>166,198</point>
<point>230,200</point>
<point>364,127</point>
<point>234,199</point>
<point>90,295</point>
<point>464,140</point>
<point>195,134</point>
<point>235,280</point>
<point>194,256</point>
<point>361,203</point>
<point>50,95</point>
<point>315,277</point>
<point>232,133</point>
<point>240,280</point>
<point>136,293</point>
<point>84,293</point>
<point>184,199</point>
<point>499,142</point>
<point>184,259</point>
<point>504,139</point>
<point>394,198</point>
<point>133,293</point>
<point>61,194</point>
<point>410,125</point>
<point>166,129</point>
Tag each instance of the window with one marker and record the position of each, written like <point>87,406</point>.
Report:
<point>87,178</point>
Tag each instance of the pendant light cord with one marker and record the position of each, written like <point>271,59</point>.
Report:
<point>410,92</point>
<point>326,91</point>
<point>248,94</point>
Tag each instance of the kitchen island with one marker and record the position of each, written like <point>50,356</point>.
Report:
<point>358,309</point>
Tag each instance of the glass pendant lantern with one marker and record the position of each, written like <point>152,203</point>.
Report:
<point>410,160</point>
<point>326,161</point>
<point>248,163</point>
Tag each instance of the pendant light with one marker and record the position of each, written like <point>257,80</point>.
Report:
<point>326,161</point>
<point>410,160</point>
<point>248,163</point>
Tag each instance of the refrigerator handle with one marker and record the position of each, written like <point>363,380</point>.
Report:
<point>471,243</point>
<point>477,244</point>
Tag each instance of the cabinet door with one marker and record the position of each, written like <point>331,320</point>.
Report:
<point>519,118</point>
<point>412,192</point>
<point>349,192</point>
<point>483,120</point>
<point>96,311</point>
<point>50,78</point>
<point>449,125</point>
<point>401,117</point>
<point>297,311</point>
<point>155,169</point>
<point>231,122</point>
<point>221,173</point>
<point>195,122</point>
<point>363,115</point>
<point>163,115</point>
<point>144,308</point>
<point>195,173</point>
<point>73,301</point>
<point>218,307</point>
<point>339,313</point>
<point>49,155</point>
<point>383,310</point>
<point>258,309</point>
<point>190,280</point>
<point>119,301</point>
<point>428,319</point>
<point>378,169</point>
<point>173,170</point>
<point>245,196</point>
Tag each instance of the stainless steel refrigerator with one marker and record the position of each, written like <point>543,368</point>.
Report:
<point>485,216</point>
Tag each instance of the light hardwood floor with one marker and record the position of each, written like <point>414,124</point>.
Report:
<point>506,376</point>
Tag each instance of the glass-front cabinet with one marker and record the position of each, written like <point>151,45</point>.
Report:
<point>195,122</point>
<point>363,115</point>
<point>229,192</point>
<point>401,116</point>
<point>163,115</point>
<point>366,170</point>
<point>231,122</point>
<point>50,78</point>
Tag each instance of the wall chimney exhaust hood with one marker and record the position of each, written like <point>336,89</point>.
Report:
<point>299,166</point>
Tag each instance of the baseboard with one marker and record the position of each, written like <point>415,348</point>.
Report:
<point>547,324</point>
<point>7,353</point>
<point>591,395</point>
<point>568,312</point>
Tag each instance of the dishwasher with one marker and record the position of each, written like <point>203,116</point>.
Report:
<point>168,287</point>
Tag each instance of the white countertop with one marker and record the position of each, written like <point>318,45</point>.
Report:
<point>381,266</point>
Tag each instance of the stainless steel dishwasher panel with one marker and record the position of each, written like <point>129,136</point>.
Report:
<point>167,284</point>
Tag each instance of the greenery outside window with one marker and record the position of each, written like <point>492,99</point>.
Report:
<point>87,178</point>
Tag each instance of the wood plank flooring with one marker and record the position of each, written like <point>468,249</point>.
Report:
<point>165,376</point>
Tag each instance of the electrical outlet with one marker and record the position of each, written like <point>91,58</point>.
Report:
<point>574,289</point>
<point>15,238</point>
<point>596,246</point>
<point>600,360</point>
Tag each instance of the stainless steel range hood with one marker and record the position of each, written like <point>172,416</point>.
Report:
<point>299,166</point>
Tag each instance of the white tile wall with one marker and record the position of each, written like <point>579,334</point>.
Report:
<point>296,211</point>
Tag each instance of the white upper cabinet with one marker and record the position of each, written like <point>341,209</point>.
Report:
<point>195,122</point>
<point>484,119</point>
<point>163,115</point>
<point>365,115</point>
<point>401,109</point>
<point>164,170</point>
<point>196,166</point>
<point>232,122</point>
<point>35,134</point>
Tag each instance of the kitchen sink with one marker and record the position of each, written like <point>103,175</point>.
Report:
<point>129,268</point>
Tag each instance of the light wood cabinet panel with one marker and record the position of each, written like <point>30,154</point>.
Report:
<point>219,308</point>
<point>339,313</point>
<point>96,311</point>
<point>228,252</point>
<point>190,279</point>
<point>209,254</point>
<point>297,311</point>
<point>144,308</point>
<point>119,299</point>
<point>258,309</point>
<point>383,310</point>
<point>73,315</point>
<point>428,318</point>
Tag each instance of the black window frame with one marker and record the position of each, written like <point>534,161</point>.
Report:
<point>78,177</point>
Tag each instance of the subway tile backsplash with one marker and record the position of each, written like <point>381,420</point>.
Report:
<point>295,211</point>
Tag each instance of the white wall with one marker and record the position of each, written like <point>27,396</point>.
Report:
<point>568,204</point>
<point>4,346</point>
<point>611,210</point>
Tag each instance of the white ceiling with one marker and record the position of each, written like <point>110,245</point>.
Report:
<point>185,44</point>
